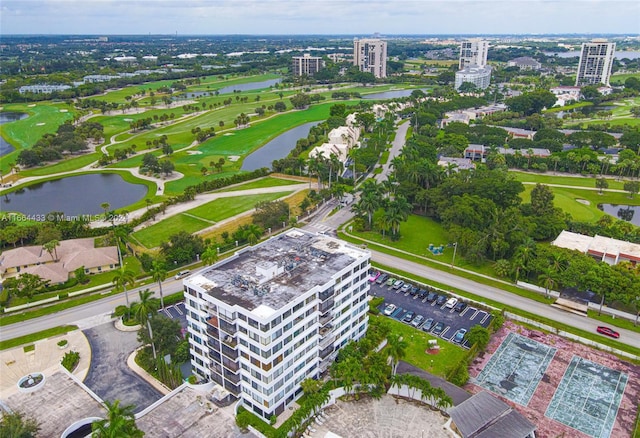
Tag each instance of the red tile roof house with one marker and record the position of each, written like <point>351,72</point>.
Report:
<point>71,255</point>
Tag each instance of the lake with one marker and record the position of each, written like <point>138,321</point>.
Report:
<point>393,94</point>
<point>231,88</point>
<point>576,54</point>
<point>5,146</point>
<point>277,148</point>
<point>629,213</point>
<point>74,195</point>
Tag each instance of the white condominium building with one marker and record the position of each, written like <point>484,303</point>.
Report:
<point>370,55</point>
<point>473,52</point>
<point>478,76</point>
<point>274,314</point>
<point>306,65</point>
<point>596,60</point>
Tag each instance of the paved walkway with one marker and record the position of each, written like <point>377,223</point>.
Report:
<point>46,358</point>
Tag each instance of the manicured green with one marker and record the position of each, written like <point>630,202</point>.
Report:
<point>585,210</point>
<point>268,181</point>
<point>619,78</point>
<point>226,207</point>
<point>568,107</point>
<point>154,235</point>
<point>574,181</point>
<point>55,331</point>
<point>417,342</point>
<point>200,217</point>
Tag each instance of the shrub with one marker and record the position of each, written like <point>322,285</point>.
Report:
<point>119,311</point>
<point>460,374</point>
<point>62,343</point>
<point>273,419</point>
<point>192,379</point>
<point>374,303</point>
<point>70,360</point>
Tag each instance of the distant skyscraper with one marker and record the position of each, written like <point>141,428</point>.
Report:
<point>306,65</point>
<point>473,53</point>
<point>371,55</point>
<point>596,61</point>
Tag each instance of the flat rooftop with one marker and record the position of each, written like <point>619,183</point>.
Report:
<point>266,277</point>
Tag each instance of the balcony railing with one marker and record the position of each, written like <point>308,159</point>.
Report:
<point>230,341</point>
<point>325,342</point>
<point>324,320</point>
<point>233,354</point>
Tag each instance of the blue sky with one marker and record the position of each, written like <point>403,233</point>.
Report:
<point>364,17</point>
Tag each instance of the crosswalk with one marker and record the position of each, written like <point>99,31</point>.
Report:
<point>318,228</point>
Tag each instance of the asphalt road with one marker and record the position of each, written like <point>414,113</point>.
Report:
<point>85,314</point>
<point>499,295</point>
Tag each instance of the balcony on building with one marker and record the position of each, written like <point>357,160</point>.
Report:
<point>325,295</point>
<point>231,365</point>
<point>326,352</point>
<point>229,352</point>
<point>326,341</point>
<point>228,327</point>
<point>232,377</point>
<point>325,330</point>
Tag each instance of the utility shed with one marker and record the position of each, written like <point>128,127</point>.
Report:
<point>485,416</point>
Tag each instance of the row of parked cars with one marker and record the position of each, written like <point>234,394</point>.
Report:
<point>427,325</point>
<point>428,296</point>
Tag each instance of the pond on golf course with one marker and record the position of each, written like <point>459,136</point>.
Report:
<point>74,195</point>
<point>277,148</point>
<point>629,213</point>
<point>231,88</point>
<point>8,117</point>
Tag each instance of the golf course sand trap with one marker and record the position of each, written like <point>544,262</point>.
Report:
<point>128,120</point>
<point>64,111</point>
<point>194,152</point>
<point>39,124</point>
<point>583,201</point>
<point>233,157</point>
<point>32,105</point>
<point>229,133</point>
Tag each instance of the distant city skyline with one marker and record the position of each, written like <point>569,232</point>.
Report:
<point>304,17</point>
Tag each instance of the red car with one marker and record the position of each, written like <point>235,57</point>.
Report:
<point>607,331</point>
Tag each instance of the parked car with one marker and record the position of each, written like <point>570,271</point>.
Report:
<point>406,288</point>
<point>422,293</point>
<point>390,309</point>
<point>451,303</point>
<point>391,281</point>
<point>432,296</point>
<point>459,336</point>
<point>427,324</point>
<point>607,331</point>
<point>413,290</point>
<point>382,278</point>
<point>181,274</point>
<point>441,300</point>
<point>460,306</point>
<point>398,284</point>
<point>408,316</point>
<point>417,320</point>
<point>437,329</point>
<point>374,276</point>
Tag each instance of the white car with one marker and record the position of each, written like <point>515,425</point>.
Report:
<point>451,303</point>
<point>390,309</point>
<point>181,274</point>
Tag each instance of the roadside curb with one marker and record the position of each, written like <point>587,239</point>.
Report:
<point>131,363</point>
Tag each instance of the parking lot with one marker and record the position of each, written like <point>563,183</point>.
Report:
<point>430,307</point>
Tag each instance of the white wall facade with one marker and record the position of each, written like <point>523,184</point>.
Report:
<point>370,55</point>
<point>596,60</point>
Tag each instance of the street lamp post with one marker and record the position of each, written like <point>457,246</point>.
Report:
<point>455,248</point>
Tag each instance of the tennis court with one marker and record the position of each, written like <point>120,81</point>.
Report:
<point>588,397</point>
<point>516,368</point>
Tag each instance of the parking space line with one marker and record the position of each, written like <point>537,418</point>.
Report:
<point>480,313</point>
<point>484,318</point>
<point>444,332</point>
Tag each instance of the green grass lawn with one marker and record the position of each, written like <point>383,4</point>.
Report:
<point>269,181</point>
<point>215,211</point>
<point>44,118</point>
<point>576,181</point>
<point>226,207</point>
<point>62,166</point>
<point>154,235</point>
<point>618,79</point>
<point>417,341</point>
<point>567,200</point>
<point>55,331</point>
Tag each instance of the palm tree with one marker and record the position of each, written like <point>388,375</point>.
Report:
<point>397,348</point>
<point>105,206</point>
<point>546,280</point>
<point>369,203</point>
<point>50,247</point>
<point>252,233</point>
<point>146,306</point>
<point>159,274</point>
<point>121,280</point>
<point>17,425</point>
<point>210,255</point>
<point>120,422</point>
